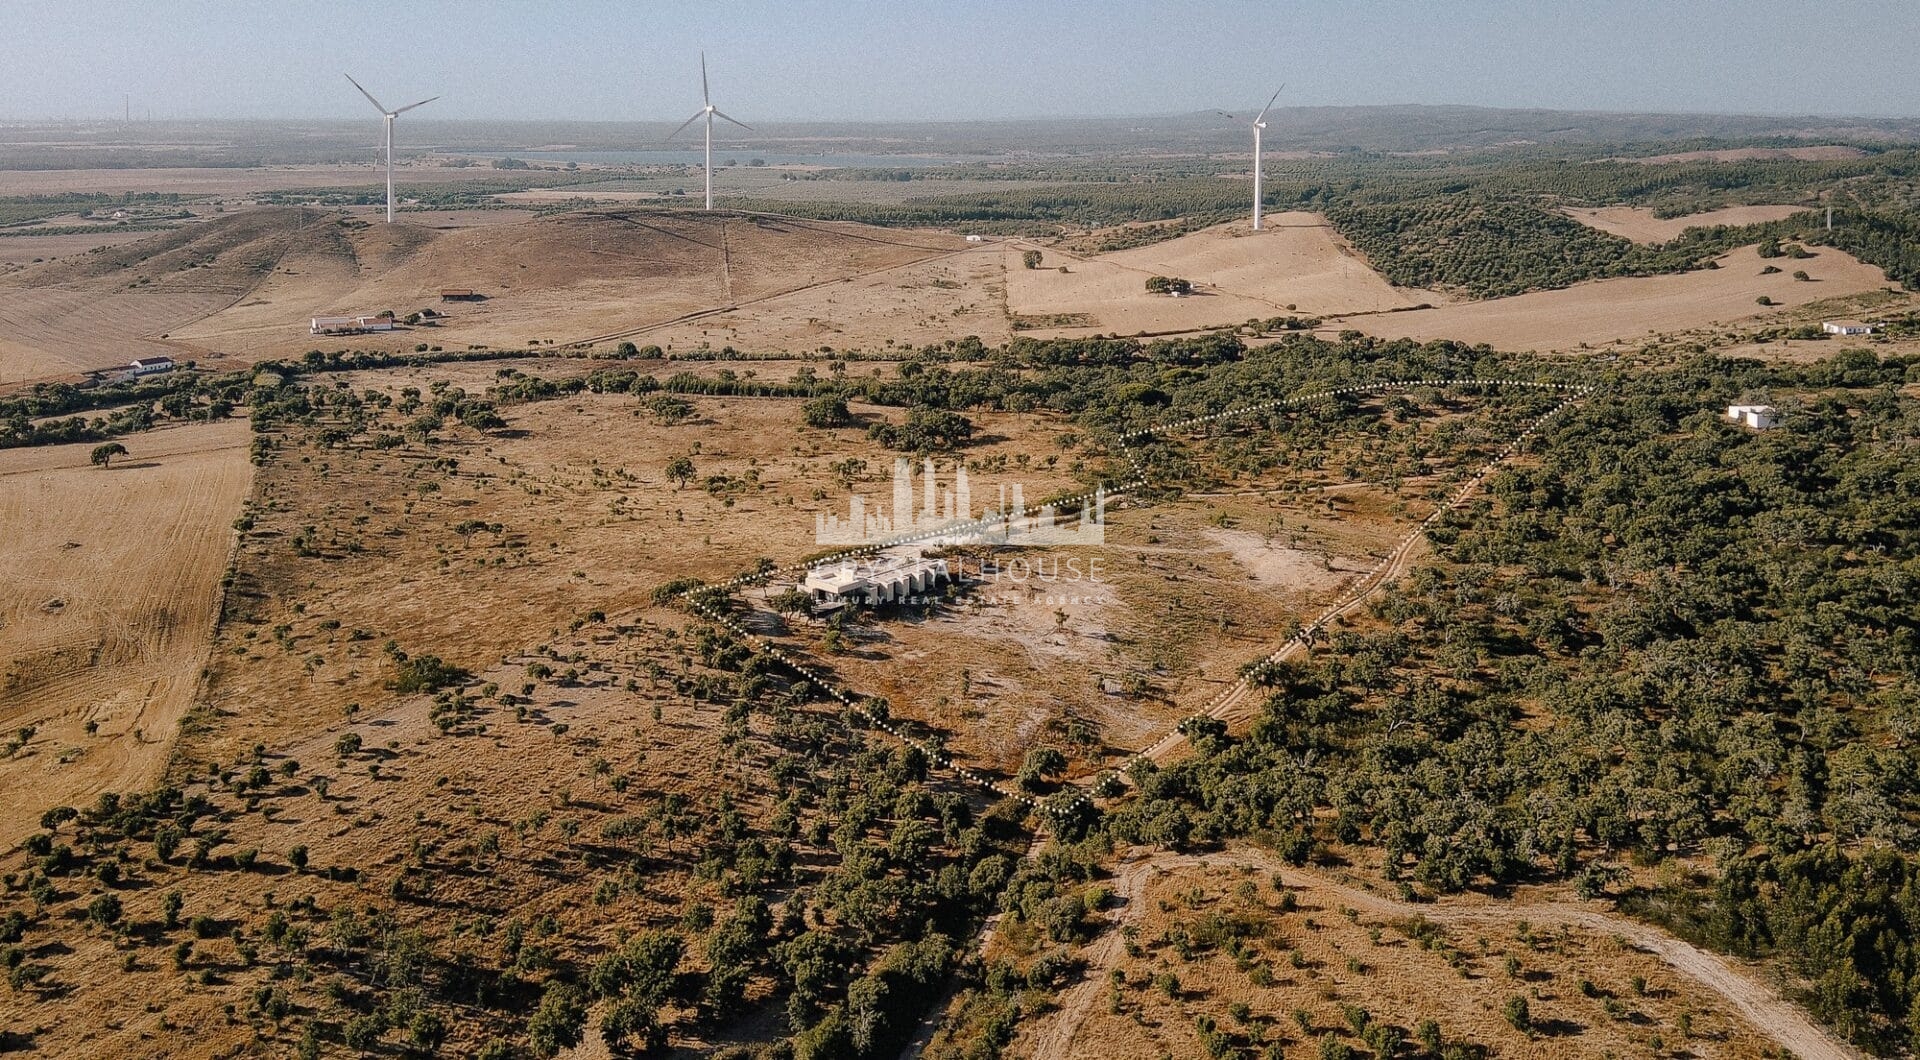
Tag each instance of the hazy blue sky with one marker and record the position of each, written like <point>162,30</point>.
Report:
<point>887,59</point>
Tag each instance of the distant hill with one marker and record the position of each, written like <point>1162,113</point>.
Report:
<point>260,274</point>
<point>1405,128</point>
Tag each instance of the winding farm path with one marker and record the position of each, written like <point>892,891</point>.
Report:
<point>1777,1018</point>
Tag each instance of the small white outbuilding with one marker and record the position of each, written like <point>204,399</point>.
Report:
<point>1757,417</point>
<point>1846,327</point>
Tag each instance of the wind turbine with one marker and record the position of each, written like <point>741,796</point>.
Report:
<point>709,112</point>
<point>390,115</point>
<point>1260,123</point>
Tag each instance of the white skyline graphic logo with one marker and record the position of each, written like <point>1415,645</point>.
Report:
<point>945,516</point>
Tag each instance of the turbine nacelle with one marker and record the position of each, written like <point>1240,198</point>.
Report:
<point>709,112</point>
<point>388,115</point>
<point>1259,124</point>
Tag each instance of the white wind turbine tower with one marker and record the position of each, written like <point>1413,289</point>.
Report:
<point>1260,123</point>
<point>390,115</point>
<point>709,112</point>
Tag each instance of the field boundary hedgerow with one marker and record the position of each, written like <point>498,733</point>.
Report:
<point>698,599</point>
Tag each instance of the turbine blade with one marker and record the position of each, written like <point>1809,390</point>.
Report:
<point>410,106</point>
<point>718,113</point>
<point>1269,106</point>
<point>367,94</point>
<point>697,115</point>
<point>705,96</point>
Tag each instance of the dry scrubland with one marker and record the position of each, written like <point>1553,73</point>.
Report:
<point>587,518</point>
<point>1640,225</point>
<point>1183,597</point>
<point>109,580</point>
<point>503,820</point>
<point>1631,309</point>
<point>1269,953</point>
<point>1238,274</point>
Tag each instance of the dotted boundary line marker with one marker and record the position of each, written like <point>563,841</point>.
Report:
<point>939,758</point>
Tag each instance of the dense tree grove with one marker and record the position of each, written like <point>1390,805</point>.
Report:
<point>1658,636</point>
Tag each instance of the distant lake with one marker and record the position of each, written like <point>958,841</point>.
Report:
<point>722,157</point>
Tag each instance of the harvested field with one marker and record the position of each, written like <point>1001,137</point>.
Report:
<point>444,218</point>
<point>1640,225</point>
<point>588,276</point>
<point>915,304</point>
<point>54,332</point>
<point>1238,274</point>
<point>1632,308</point>
<point>1811,153</point>
<point>29,249</point>
<point>109,582</point>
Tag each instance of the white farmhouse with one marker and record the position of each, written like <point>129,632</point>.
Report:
<point>1757,417</point>
<point>350,325</point>
<point>880,580</point>
<point>149,365</point>
<point>1846,327</point>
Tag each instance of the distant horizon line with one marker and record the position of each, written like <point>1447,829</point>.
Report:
<point>998,119</point>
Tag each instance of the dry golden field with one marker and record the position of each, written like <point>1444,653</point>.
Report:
<point>1632,309</point>
<point>574,278</point>
<point>109,584</point>
<point>1640,225</point>
<point>1238,274</point>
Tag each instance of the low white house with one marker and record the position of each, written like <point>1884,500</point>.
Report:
<point>150,365</point>
<point>1757,417</point>
<point>1846,327</point>
<point>976,239</point>
<point>350,325</point>
<point>881,580</point>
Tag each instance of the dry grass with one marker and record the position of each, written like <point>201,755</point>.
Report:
<point>1633,308</point>
<point>56,332</point>
<point>589,521</point>
<point>919,303</point>
<point>1238,274</point>
<point>1640,225</point>
<point>109,580</point>
<point>1337,947</point>
<point>562,279</point>
<point>29,249</point>
<point>1811,153</point>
